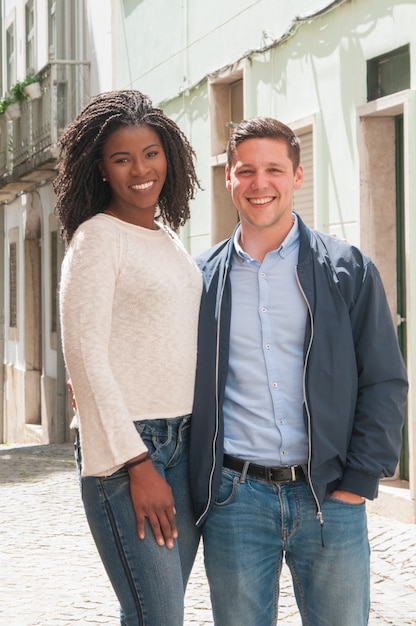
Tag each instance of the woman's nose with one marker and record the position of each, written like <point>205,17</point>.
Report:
<point>139,168</point>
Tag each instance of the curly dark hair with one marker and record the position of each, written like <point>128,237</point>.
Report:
<point>79,187</point>
<point>268,128</point>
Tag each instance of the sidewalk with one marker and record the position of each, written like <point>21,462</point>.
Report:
<point>51,575</point>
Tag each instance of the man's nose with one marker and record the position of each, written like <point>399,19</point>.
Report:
<point>259,181</point>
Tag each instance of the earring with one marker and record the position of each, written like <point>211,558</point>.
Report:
<point>104,179</point>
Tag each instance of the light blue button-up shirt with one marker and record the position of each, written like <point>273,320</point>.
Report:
<point>263,412</point>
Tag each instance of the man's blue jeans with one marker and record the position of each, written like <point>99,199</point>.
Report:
<point>254,524</point>
<point>149,580</point>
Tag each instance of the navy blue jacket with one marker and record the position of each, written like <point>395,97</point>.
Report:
<point>355,383</point>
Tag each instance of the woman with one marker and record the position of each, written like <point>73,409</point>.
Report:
<point>129,301</point>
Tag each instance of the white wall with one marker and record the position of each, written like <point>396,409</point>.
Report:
<point>99,45</point>
<point>164,47</point>
<point>318,71</point>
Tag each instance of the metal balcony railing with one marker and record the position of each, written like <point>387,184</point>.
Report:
<point>28,144</point>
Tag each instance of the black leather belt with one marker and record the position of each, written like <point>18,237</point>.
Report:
<point>270,474</point>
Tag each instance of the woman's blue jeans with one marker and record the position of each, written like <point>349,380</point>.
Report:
<point>254,524</point>
<point>149,580</point>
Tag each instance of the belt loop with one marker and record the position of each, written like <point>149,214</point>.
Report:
<point>293,472</point>
<point>244,472</point>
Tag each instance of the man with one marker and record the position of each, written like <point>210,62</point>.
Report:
<point>299,402</point>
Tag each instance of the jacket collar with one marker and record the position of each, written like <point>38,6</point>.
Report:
<point>220,258</point>
<point>305,241</point>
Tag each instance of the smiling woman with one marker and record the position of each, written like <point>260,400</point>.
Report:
<point>134,165</point>
<point>129,301</point>
<point>81,191</point>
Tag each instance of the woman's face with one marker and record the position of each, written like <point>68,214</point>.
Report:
<point>134,165</point>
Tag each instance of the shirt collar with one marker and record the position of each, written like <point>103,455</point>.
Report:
<point>286,247</point>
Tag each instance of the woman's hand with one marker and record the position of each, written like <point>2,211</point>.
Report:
<point>152,498</point>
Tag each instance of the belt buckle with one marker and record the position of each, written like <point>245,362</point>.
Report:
<point>269,474</point>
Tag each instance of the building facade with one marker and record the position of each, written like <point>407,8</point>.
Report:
<point>342,74</point>
<point>59,48</point>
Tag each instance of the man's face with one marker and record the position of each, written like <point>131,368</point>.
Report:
<point>261,180</point>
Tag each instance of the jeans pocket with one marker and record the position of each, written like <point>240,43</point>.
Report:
<point>228,489</point>
<point>157,436</point>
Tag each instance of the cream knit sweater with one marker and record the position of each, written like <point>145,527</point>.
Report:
<point>129,301</point>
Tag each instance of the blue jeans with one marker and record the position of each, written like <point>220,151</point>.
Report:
<point>149,580</point>
<point>254,524</point>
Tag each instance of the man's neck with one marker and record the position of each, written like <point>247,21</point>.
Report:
<point>258,242</point>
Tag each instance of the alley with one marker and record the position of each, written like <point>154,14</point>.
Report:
<point>50,573</point>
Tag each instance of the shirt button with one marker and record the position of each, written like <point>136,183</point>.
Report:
<point>267,346</point>
<point>264,309</point>
<point>275,385</point>
<point>283,253</point>
<point>283,452</point>
<point>262,274</point>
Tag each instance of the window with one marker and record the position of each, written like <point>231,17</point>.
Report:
<point>388,73</point>
<point>235,100</point>
<point>1,51</point>
<point>226,110</point>
<point>30,37</point>
<point>11,56</point>
<point>52,28</point>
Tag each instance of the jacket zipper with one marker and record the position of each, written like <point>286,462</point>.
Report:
<point>318,506</point>
<point>217,351</point>
<point>308,415</point>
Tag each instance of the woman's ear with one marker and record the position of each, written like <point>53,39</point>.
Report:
<point>102,171</point>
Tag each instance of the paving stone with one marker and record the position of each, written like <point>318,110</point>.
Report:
<point>51,575</point>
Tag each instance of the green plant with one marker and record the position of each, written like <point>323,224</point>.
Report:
<point>32,78</point>
<point>17,92</point>
<point>4,103</point>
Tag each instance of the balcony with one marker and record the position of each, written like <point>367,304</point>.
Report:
<point>28,145</point>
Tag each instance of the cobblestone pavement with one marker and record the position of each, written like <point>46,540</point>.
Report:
<point>50,573</point>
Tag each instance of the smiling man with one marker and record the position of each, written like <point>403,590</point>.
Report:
<point>299,400</point>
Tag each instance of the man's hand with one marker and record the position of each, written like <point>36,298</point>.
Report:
<point>347,496</point>
<point>152,498</point>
